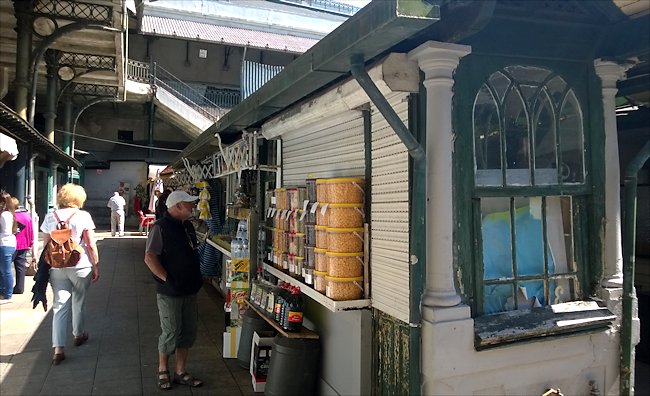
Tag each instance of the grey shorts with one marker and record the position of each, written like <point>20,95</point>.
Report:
<point>179,317</point>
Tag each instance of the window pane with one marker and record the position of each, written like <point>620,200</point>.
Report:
<point>497,241</point>
<point>571,141</point>
<point>529,236</point>
<point>487,139</point>
<point>500,84</point>
<point>565,290</point>
<point>516,133</point>
<point>544,134</point>
<point>559,226</point>
<point>528,74</point>
<point>495,298</point>
<point>534,290</point>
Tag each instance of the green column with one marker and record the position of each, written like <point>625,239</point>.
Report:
<point>51,186</point>
<point>52,91</point>
<point>24,18</point>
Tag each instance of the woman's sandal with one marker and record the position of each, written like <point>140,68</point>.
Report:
<point>187,379</point>
<point>164,382</point>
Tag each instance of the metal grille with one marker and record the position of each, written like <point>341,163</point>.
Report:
<point>88,61</point>
<point>389,245</point>
<point>75,10</point>
<point>95,90</point>
<point>254,75</point>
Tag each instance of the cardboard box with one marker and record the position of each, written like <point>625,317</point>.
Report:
<point>231,341</point>
<point>261,347</point>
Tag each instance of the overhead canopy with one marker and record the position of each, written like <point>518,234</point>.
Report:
<point>14,126</point>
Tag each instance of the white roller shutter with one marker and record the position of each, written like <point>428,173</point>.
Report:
<point>389,257</point>
<point>332,148</point>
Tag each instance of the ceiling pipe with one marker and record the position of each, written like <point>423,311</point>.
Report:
<point>358,69</point>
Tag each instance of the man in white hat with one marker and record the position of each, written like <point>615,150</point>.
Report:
<point>172,257</point>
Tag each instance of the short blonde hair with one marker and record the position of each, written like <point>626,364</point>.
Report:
<point>71,196</point>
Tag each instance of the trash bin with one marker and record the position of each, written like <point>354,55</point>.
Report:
<point>251,322</point>
<point>294,367</point>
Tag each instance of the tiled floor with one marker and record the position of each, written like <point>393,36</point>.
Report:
<point>120,357</point>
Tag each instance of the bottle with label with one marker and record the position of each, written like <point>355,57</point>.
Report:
<point>279,301</point>
<point>293,312</point>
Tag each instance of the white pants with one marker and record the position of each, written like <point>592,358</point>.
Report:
<point>117,220</point>
<point>69,286</point>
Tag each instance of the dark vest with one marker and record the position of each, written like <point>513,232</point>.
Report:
<point>179,257</point>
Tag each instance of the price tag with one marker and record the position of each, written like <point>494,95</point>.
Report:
<point>284,214</point>
<point>268,212</point>
<point>314,207</point>
<point>323,209</point>
<point>302,216</point>
<point>304,204</point>
<point>277,214</point>
<point>289,212</point>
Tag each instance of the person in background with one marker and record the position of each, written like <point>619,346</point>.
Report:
<point>117,203</point>
<point>24,243</point>
<point>161,206</point>
<point>8,230</point>
<point>172,257</point>
<point>71,284</point>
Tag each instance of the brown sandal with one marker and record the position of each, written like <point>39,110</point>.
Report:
<point>187,379</point>
<point>164,380</point>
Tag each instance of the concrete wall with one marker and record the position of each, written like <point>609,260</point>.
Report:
<point>101,183</point>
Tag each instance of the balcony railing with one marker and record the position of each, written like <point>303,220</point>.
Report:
<point>210,102</point>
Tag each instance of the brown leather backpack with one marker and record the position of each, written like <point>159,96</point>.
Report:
<point>62,251</point>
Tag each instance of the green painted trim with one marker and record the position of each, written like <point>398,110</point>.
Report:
<point>417,210</point>
<point>367,144</point>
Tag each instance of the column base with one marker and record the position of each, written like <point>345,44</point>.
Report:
<point>446,314</point>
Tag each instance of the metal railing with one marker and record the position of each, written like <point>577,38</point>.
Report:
<point>158,76</point>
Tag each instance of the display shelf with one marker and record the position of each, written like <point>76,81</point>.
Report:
<point>238,213</point>
<point>303,333</point>
<point>332,305</point>
<point>218,246</point>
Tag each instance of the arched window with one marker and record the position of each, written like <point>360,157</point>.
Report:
<point>529,180</point>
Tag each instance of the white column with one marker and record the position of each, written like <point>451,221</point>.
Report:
<point>438,61</point>
<point>609,73</point>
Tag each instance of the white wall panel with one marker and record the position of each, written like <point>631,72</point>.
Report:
<point>389,246</point>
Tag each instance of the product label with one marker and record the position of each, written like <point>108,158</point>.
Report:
<point>295,317</point>
<point>314,208</point>
<point>323,210</point>
<point>304,204</point>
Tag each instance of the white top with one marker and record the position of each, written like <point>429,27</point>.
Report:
<point>116,203</point>
<point>80,222</point>
<point>7,237</point>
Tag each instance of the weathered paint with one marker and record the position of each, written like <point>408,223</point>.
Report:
<point>392,341</point>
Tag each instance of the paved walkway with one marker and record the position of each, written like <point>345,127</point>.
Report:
<point>121,355</point>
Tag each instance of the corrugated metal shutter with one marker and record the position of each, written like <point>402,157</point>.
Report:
<point>254,75</point>
<point>389,258</point>
<point>332,148</point>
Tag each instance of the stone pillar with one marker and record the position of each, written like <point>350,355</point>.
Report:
<point>438,61</point>
<point>609,73</point>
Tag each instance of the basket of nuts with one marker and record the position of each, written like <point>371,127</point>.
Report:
<point>344,240</point>
<point>321,237</point>
<point>320,285</point>
<point>322,215</point>
<point>345,215</point>
<point>320,260</point>
<point>345,190</point>
<point>321,190</point>
<point>344,265</point>
<point>342,289</point>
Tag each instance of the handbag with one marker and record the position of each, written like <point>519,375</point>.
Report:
<point>31,268</point>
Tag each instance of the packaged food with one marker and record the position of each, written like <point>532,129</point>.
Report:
<point>311,190</point>
<point>344,265</point>
<point>321,237</point>
<point>296,196</point>
<point>308,276</point>
<point>320,260</point>
<point>310,257</point>
<point>345,190</point>
<point>344,240</point>
<point>321,190</point>
<point>298,265</point>
<point>343,289</point>
<point>281,198</point>
<point>296,244</point>
<point>345,215</point>
<point>320,284</point>
<point>295,225</point>
<point>322,214</point>
<point>310,235</point>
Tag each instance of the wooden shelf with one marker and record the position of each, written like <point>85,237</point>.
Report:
<point>220,248</point>
<point>332,305</point>
<point>303,333</point>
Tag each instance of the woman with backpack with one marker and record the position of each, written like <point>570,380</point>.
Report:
<point>8,229</point>
<point>71,283</point>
